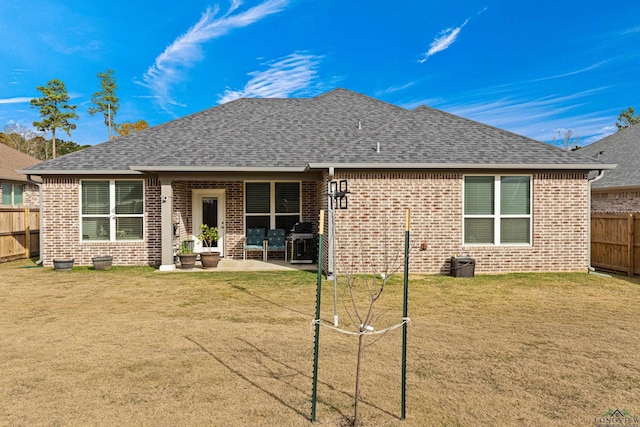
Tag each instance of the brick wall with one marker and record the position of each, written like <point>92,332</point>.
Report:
<point>61,227</point>
<point>615,201</point>
<point>370,234</point>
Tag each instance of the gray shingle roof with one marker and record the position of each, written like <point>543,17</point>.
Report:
<point>336,128</point>
<point>623,148</point>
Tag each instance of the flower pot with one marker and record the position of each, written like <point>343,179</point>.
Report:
<point>63,264</point>
<point>102,262</point>
<point>209,259</point>
<point>187,261</point>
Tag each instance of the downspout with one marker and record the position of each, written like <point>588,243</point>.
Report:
<point>39,184</point>
<point>592,269</point>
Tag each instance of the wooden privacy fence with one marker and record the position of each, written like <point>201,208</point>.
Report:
<point>615,242</point>
<point>19,233</point>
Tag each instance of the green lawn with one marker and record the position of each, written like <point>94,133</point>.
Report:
<point>132,346</point>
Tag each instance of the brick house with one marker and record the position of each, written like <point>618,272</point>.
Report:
<point>15,188</point>
<point>619,189</point>
<point>512,203</point>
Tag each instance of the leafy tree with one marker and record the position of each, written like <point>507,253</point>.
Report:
<point>17,136</point>
<point>105,100</point>
<point>129,128</point>
<point>55,110</point>
<point>627,118</point>
<point>66,147</point>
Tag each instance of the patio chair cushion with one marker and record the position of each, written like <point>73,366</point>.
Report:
<point>254,238</point>
<point>276,240</point>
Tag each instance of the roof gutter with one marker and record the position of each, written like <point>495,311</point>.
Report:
<point>142,169</point>
<point>78,172</point>
<point>591,269</point>
<point>39,184</point>
<point>554,166</point>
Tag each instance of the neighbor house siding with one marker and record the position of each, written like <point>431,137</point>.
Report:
<point>372,228</point>
<point>615,200</point>
<point>31,194</point>
<point>61,227</point>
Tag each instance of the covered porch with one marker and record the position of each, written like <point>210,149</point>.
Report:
<point>235,203</point>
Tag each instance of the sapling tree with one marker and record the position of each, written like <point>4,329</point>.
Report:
<point>362,289</point>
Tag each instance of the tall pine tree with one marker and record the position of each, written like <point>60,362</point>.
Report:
<point>106,101</point>
<point>55,111</point>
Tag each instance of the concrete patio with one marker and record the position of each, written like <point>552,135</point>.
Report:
<point>248,265</point>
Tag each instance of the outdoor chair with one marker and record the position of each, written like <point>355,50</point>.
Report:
<point>277,241</point>
<point>254,241</point>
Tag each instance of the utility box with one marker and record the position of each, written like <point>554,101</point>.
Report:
<point>463,266</point>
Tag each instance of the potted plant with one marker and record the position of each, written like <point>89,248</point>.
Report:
<point>186,255</point>
<point>209,237</point>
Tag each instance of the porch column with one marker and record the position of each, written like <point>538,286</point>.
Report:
<point>166,241</point>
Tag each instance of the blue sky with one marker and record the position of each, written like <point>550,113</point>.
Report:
<point>531,68</point>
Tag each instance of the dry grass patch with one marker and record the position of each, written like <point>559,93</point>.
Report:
<point>131,346</point>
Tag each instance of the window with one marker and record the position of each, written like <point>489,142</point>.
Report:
<point>272,205</point>
<point>112,210</point>
<point>497,210</point>
<point>12,194</point>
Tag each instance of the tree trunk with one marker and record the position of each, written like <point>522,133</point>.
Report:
<point>53,142</point>
<point>357,392</point>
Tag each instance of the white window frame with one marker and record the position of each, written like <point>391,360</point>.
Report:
<point>497,209</point>
<point>112,212</point>
<point>272,202</point>
<point>13,197</point>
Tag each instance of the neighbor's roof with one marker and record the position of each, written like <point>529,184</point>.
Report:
<point>623,148</point>
<point>12,160</point>
<point>340,129</point>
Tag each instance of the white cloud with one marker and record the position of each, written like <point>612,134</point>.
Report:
<point>443,41</point>
<point>168,68</point>
<point>16,100</point>
<point>283,77</point>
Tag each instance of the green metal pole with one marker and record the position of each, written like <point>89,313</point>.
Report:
<point>404,316</point>
<point>317,318</point>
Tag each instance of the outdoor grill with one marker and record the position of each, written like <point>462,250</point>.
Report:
<point>303,243</point>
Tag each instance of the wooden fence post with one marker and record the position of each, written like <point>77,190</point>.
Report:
<point>27,234</point>
<point>630,245</point>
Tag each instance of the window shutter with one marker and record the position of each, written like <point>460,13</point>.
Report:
<point>257,197</point>
<point>6,194</point>
<point>95,197</point>
<point>129,197</point>
<point>514,230</point>
<point>478,230</point>
<point>478,195</point>
<point>515,195</point>
<point>287,197</point>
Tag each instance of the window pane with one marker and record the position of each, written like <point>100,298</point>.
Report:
<point>257,196</point>
<point>515,195</point>
<point>6,194</point>
<point>129,197</point>
<point>514,230</point>
<point>287,222</point>
<point>95,197</point>
<point>287,197</point>
<point>258,222</point>
<point>95,228</point>
<point>478,230</point>
<point>129,228</point>
<point>478,195</point>
<point>17,194</point>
